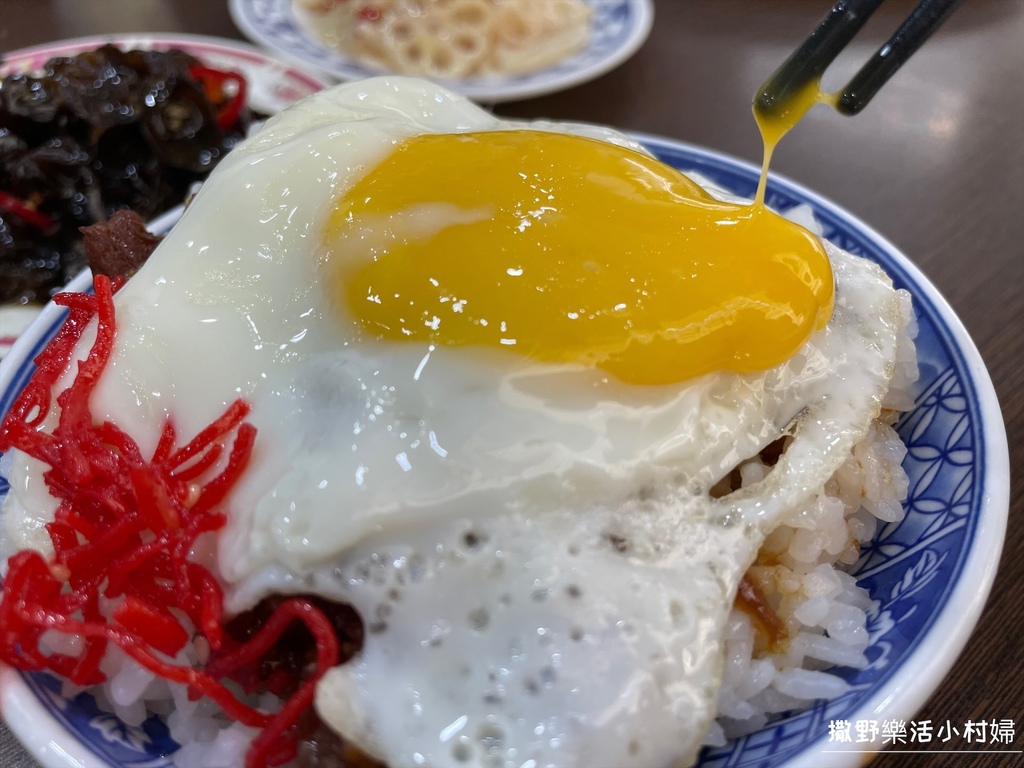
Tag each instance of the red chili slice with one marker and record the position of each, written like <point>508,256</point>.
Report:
<point>214,82</point>
<point>17,207</point>
<point>369,13</point>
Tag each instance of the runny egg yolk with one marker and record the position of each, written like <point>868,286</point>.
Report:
<point>567,249</point>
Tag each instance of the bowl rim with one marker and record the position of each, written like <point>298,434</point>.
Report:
<point>903,693</point>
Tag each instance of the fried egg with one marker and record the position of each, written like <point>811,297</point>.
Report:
<point>515,499</point>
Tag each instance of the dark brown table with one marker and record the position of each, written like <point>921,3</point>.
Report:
<point>935,163</point>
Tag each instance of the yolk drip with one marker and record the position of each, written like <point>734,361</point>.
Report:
<point>568,249</point>
<point>775,124</point>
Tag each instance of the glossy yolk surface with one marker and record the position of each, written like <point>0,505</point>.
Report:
<point>567,249</point>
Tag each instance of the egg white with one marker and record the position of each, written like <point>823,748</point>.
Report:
<point>534,549</point>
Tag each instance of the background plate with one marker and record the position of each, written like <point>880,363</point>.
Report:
<point>618,29</point>
<point>273,85</point>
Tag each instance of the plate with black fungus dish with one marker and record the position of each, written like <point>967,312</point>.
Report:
<point>92,126</point>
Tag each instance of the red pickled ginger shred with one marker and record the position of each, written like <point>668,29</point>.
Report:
<point>122,533</point>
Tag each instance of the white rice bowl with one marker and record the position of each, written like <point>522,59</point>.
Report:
<point>823,608</point>
<point>800,572</point>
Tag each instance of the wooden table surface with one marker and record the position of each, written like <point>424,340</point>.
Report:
<point>935,163</point>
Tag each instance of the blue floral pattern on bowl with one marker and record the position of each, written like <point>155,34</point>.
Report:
<point>617,29</point>
<point>911,568</point>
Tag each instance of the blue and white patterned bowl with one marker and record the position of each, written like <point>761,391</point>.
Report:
<point>617,30</point>
<point>930,574</point>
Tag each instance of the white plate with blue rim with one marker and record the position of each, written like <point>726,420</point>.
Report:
<point>617,30</point>
<point>929,574</point>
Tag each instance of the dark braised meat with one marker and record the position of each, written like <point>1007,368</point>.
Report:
<point>96,133</point>
<point>118,247</point>
<point>321,747</point>
<point>281,670</point>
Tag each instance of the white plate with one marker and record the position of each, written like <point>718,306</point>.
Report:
<point>273,85</point>
<point>618,29</point>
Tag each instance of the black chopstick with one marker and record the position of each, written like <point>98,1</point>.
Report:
<point>918,27</point>
<point>839,27</point>
<point>812,58</point>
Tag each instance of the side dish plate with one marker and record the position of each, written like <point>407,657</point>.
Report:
<point>617,30</point>
<point>930,574</point>
<point>273,85</point>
